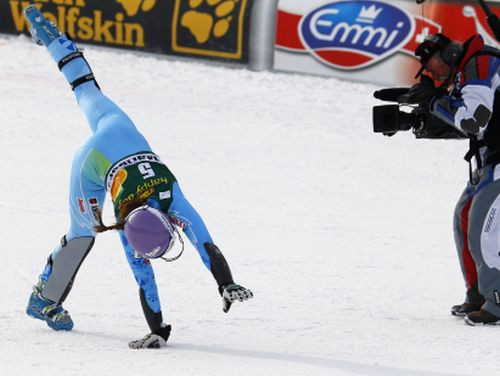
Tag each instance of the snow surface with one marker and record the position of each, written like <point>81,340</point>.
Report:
<point>344,236</point>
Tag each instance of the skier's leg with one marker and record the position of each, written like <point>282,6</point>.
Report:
<point>86,198</point>
<point>63,51</point>
<point>96,106</point>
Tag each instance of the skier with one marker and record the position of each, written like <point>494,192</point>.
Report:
<point>148,202</point>
<point>470,71</point>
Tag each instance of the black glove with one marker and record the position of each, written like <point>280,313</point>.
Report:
<point>422,92</point>
<point>233,292</point>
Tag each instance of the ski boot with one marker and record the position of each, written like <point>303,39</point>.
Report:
<point>43,31</point>
<point>47,310</point>
<point>63,50</point>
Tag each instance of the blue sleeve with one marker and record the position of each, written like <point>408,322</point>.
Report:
<point>191,223</point>
<point>144,275</point>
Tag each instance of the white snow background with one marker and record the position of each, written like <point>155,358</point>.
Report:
<point>345,236</point>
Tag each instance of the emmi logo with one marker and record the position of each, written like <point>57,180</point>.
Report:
<point>355,34</point>
<point>67,15</point>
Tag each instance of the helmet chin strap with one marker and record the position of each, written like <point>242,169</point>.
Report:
<point>170,259</point>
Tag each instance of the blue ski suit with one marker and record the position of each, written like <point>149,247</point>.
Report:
<point>116,139</point>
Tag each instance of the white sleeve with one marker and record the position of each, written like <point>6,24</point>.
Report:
<point>475,112</point>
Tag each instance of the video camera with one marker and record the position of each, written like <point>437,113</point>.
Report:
<point>389,119</point>
<point>411,111</point>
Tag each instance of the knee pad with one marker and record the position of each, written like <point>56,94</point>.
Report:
<point>65,264</point>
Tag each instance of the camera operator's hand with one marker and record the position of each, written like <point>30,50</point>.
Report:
<point>422,92</point>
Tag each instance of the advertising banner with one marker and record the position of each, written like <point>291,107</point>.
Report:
<point>215,29</point>
<point>372,40</point>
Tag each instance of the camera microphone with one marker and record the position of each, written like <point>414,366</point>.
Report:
<point>390,94</point>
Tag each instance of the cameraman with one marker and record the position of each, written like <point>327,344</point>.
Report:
<point>469,72</point>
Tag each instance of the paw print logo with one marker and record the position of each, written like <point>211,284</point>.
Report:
<point>207,18</point>
<point>132,7</point>
<point>215,28</point>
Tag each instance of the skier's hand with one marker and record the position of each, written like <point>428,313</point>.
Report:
<point>149,341</point>
<point>154,340</point>
<point>232,293</point>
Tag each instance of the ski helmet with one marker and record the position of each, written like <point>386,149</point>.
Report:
<point>149,232</point>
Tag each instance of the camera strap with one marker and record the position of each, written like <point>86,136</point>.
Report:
<point>474,151</point>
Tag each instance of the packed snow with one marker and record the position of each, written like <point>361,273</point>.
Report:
<point>344,236</point>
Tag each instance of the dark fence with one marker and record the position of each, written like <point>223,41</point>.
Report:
<point>213,29</point>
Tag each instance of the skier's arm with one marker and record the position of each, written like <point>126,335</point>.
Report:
<point>186,216</point>
<point>148,291</point>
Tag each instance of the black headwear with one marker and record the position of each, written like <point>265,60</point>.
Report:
<point>431,44</point>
